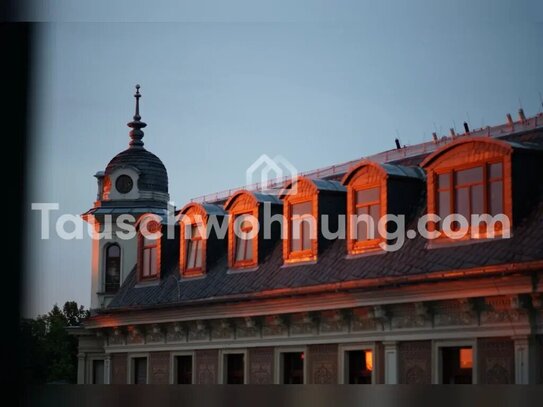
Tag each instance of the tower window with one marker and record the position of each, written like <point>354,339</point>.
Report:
<point>113,268</point>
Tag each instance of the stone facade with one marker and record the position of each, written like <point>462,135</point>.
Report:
<point>415,362</point>
<point>207,366</point>
<point>261,366</point>
<point>496,357</point>
<point>159,367</point>
<point>322,364</point>
<point>119,365</point>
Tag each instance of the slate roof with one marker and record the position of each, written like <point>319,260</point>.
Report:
<point>414,258</point>
<point>153,174</point>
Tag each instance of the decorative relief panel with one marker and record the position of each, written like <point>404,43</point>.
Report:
<point>116,337</point>
<point>222,330</point>
<point>275,326</point>
<point>248,328</point>
<point>118,368</point>
<point>154,334</point>
<point>496,361</point>
<point>415,362</point>
<point>159,367</point>
<point>261,365</point>
<point>454,312</point>
<point>363,320</point>
<point>410,316</point>
<point>177,333</point>
<point>206,366</point>
<point>322,361</point>
<point>333,322</point>
<point>135,336</point>
<point>303,324</point>
<point>199,331</point>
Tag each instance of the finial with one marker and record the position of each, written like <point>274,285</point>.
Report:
<point>136,134</point>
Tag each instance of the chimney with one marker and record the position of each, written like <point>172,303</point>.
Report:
<point>509,120</point>
<point>521,115</point>
<point>434,137</point>
<point>466,128</point>
<point>398,146</point>
<point>453,134</point>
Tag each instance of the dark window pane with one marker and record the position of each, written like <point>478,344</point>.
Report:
<point>469,176</point>
<point>477,200</point>
<point>98,371</point>
<point>293,368</point>
<point>306,233</point>
<point>184,369</point>
<point>444,180</point>
<point>375,213</point>
<point>360,366</point>
<point>235,368</point>
<point>444,204</point>
<point>367,195</point>
<point>496,197</point>
<point>302,208</point>
<point>461,202</point>
<point>140,371</point>
<point>495,170</point>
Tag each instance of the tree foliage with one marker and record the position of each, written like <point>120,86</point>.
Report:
<point>49,351</point>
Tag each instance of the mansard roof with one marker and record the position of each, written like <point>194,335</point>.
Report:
<point>333,269</point>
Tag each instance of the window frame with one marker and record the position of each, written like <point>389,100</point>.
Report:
<point>131,368</point>
<point>365,175</point>
<point>223,367</point>
<point>193,214</point>
<point>278,377</point>
<point>142,247</point>
<point>437,359</point>
<point>344,349</point>
<point>173,365</point>
<point>242,203</point>
<point>300,191</point>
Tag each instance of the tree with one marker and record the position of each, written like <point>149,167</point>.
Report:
<point>49,351</point>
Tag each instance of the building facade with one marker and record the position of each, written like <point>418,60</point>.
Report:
<point>292,305</point>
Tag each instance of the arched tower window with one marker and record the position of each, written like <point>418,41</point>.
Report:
<point>149,247</point>
<point>113,268</point>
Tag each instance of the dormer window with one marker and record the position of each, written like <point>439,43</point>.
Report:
<point>246,242</point>
<point>199,247</point>
<point>470,177</point>
<point>149,231</point>
<point>304,201</point>
<point>373,191</point>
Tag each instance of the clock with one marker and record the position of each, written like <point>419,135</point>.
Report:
<point>124,184</point>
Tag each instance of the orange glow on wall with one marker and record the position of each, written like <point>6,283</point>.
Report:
<point>369,360</point>
<point>466,358</point>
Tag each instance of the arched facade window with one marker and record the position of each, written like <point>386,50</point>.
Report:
<point>149,229</point>
<point>366,185</point>
<point>112,273</point>
<point>470,177</point>
<point>242,236</point>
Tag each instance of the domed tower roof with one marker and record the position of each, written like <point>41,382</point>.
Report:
<point>153,176</point>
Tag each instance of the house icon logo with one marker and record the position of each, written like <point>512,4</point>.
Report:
<point>271,174</point>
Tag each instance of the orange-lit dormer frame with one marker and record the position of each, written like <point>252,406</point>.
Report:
<point>300,191</point>
<point>194,215</point>
<point>241,203</point>
<point>465,154</point>
<point>149,250</point>
<point>364,176</point>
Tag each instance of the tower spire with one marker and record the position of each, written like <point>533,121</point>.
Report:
<point>136,134</point>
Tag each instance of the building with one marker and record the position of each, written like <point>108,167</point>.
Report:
<point>309,309</point>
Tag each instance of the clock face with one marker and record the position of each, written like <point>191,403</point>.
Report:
<point>124,184</point>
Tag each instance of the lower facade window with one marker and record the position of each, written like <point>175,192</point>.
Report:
<point>183,369</point>
<point>292,367</point>
<point>358,366</point>
<point>98,371</point>
<point>139,370</point>
<point>456,365</point>
<point>234,368</point>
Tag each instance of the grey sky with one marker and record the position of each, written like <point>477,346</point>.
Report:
<point>317,84</point>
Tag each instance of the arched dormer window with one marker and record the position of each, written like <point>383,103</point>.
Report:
<point>242,236</point>
<point>149,246</point>
<point>304,201</point>
<point>112,268</point>
<point>194,241</point>
<point>373,191</point>
<point>366,185</point>
<point>470,177</point>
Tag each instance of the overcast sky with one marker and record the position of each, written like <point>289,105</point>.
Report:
<point>317,82</point>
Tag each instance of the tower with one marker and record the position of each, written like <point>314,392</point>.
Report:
<point>134,183</point>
